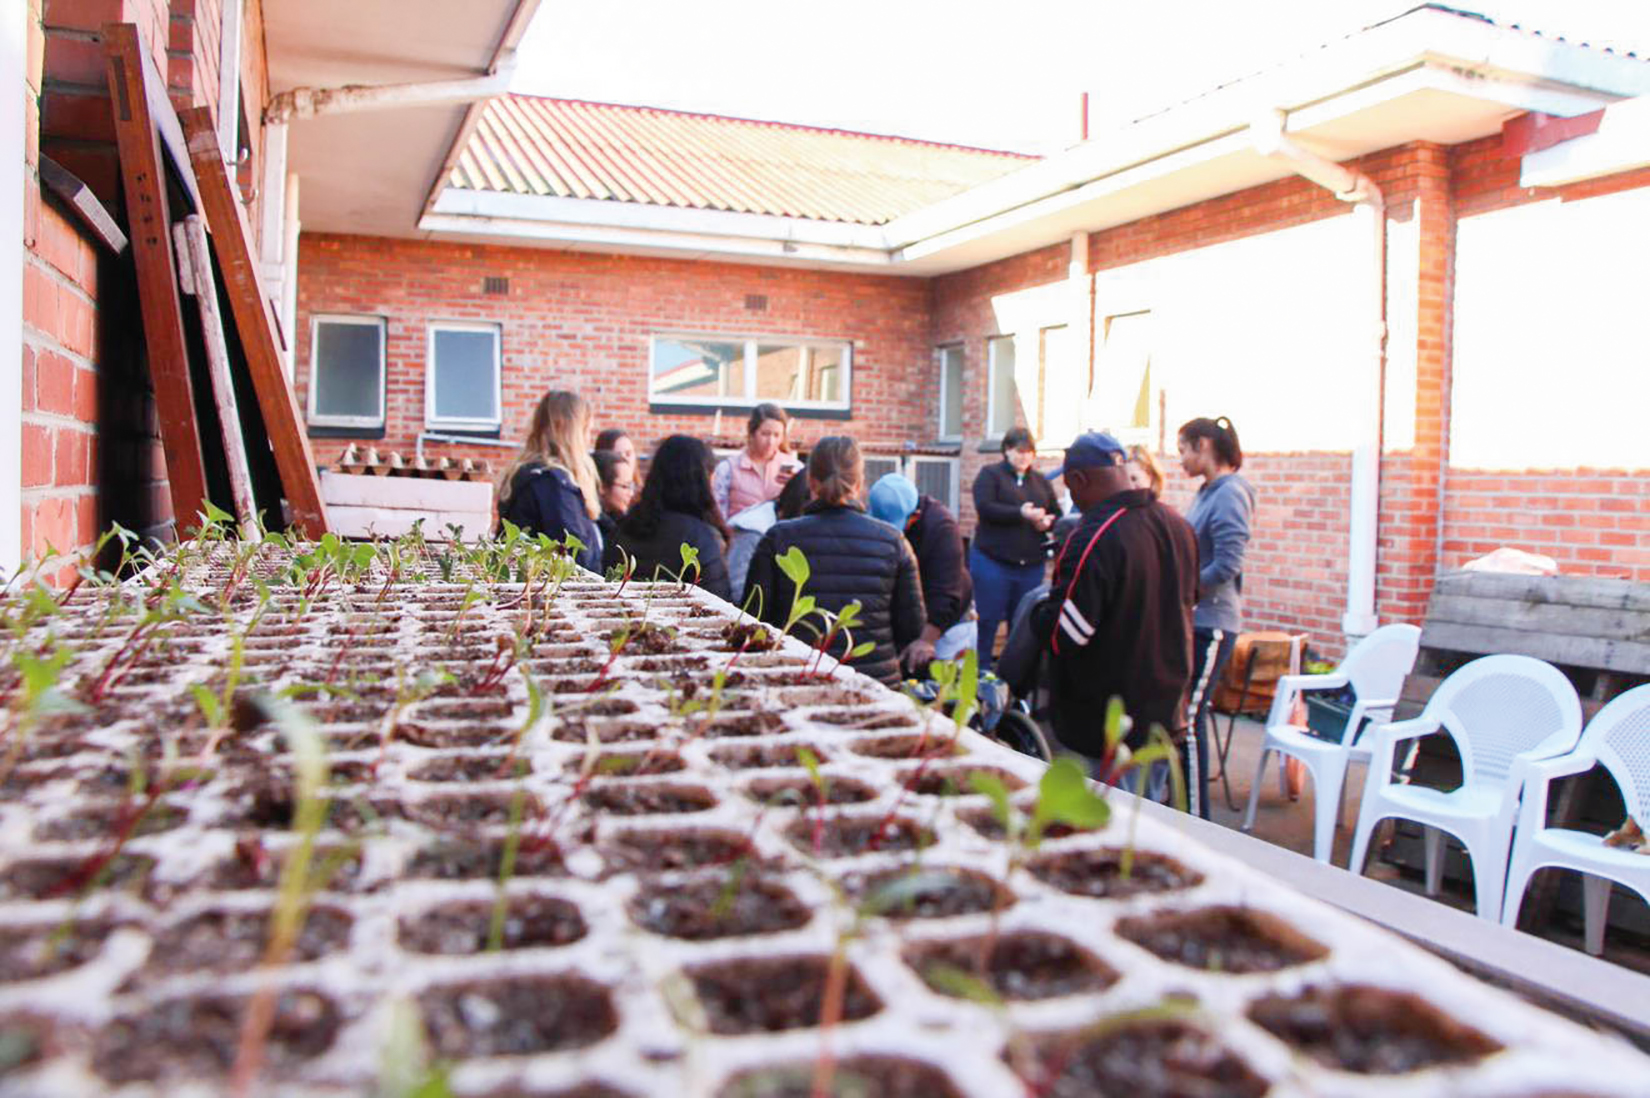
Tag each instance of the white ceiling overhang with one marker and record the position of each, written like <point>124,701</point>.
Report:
<point>370,172</point>
<point>1429,75</point>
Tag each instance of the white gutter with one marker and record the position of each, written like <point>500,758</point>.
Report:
<point>1271,140</point>
<point>1620,144</point>
<point>350,98</point>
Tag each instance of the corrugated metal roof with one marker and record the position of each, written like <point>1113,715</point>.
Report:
<point>571,149</point>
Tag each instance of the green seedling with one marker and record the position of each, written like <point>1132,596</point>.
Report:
<point>840,624</point>
<point>405,1068</point>
<point>507,864</point>
<point>796,569</point>
<point>690,559</point>
<point>822,795</point>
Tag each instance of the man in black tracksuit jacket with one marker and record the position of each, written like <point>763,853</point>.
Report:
<point>1119,617</point>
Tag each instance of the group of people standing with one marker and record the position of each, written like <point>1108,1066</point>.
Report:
<point>1144,603</point>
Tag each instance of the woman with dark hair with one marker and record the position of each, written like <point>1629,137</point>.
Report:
<point>758,471</point>
<point>749,525</point>
<point>616,478</point>
<point>851,557</point>
<point>1220,515</point>
<point>675,509</point>
<point>1016,506</point>
<point>617,439</point>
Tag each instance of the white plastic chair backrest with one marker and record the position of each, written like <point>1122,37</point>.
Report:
<point>1377,664</point>
<point>1618,736</point>
<point>1500,707</point>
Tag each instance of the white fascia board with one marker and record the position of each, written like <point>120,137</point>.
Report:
<point>602,214</point>
<point>657,241</point>
<point>1621,143</point>
<point>1518,70</point>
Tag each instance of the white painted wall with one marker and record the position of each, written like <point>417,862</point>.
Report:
<point>1271,330</point>
<point>12,105</point>
<point>1552,336</point>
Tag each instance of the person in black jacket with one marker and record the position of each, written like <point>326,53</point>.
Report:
<point>551,486</point>
<point>851,557</point>
<point>1118,621</point>
<point>1016,506</point>
<point>676,509</point>
<point>617,478</point>
<point>947,589</point>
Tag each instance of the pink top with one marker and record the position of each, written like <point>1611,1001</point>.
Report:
<point>739,482</point>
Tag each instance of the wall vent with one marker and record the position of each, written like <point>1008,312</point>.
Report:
<point>493,284</point>
<point>756,303</point>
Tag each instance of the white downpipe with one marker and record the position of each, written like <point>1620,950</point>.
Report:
<point>229,80</point>
<point>1270,139</point>
<point>13,76</point>
<point>289,278</point>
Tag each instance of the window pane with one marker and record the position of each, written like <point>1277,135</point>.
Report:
<point>826,373</point>
<point>348,369</point>
<point>1004,394</point>
<point>781,372</point>
<point>1122,394</point>
<point>951,380</point>
<point>1053,414</point>
<point>465,375</point>
<point>698,368</point>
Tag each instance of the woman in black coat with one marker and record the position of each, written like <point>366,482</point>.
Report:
<point>851,556</point>
<point>676,508</point>
<point>550,488</point>
<point>1016,507</point>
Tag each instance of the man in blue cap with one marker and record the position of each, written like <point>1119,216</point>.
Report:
<point>1118,621</point>
<point>947,588</point>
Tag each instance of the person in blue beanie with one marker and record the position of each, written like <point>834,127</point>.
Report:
<point>947,588</point>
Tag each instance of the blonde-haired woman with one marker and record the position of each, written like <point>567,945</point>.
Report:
<point>1143,470</point>
<point>551,486</point>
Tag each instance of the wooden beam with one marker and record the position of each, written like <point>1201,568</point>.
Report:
<point>250,307</point>
<point>86,206</point>
<point>195,263</point>
<point>149,220</point>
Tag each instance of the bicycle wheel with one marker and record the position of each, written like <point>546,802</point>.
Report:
<point>1017,730</point>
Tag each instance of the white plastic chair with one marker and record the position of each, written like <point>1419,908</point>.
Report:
<point>1375,669</point>
<point>1618,737</point>
<point>1503,712</point>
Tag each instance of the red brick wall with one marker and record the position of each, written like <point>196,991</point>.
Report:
<point>1592,521</point>
<point>581,321</point>
<point>92,453</point>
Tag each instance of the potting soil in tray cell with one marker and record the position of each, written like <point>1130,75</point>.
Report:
<point>1112,873</point>
<point>908,747</point>
<point>804,792</point>
<point>604,730</point>
<point>1227,939</point>
<point>648,798</point>
<point>768,994</point>
<point>34,951</point>
<point>234,940</point>
<point>457,858</point>
<point>462,927</point>
<point>926,892</point>
<point>882,1076</point>
<point>1147,1059</point>
<point>197,1038</point>
<point>1020,965</point>
<point>726,903</point>
<point>951,781</point>
<point>253,865</point>
<point>662,851</point>
<point>1369,1030</point>
<point>759,756</point>
<point>475,766</point>
<point>516,1016</point>
<point>838,836</point>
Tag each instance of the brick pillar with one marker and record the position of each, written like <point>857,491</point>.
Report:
<point>1410,504</point>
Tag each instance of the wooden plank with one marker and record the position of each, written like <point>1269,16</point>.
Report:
<point>1588,652</point>
<point>232,243</point>
<point>417,493</point>
<point>1598,591</point>
<point>196,260</point>
<point>149,219</point>
<point>79,198</point>
<point>387,522</point>
<point>1540,617</point>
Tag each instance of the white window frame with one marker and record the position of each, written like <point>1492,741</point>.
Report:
<point>962,381</point>
<point>315,322</point>
<point>991,343</point>
<point>459,423</point>
<point>749,399</point>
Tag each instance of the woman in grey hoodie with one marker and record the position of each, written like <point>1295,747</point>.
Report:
<point>1220,516</point>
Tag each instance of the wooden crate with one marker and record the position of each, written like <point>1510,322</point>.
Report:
<point>1595,630</point>
<point>362,506</point>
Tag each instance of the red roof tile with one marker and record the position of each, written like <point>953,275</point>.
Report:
<point>571,149</point>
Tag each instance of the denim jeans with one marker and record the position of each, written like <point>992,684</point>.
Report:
<point>998,589</point>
